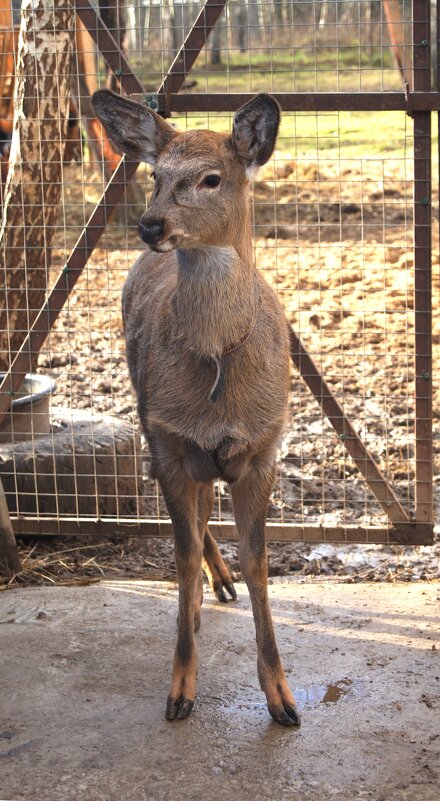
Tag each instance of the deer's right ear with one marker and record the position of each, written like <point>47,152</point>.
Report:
<point>133,129</point>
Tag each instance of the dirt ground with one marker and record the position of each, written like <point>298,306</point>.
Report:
<point>85,675</point>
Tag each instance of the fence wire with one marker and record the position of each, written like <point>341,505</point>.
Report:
<point>333,227</point>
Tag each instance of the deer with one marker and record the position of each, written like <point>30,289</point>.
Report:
<point>207,347</point>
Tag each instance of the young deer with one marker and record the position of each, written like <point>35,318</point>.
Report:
<point>208,354</point>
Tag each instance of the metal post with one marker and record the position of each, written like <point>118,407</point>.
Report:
<point>422,266</point>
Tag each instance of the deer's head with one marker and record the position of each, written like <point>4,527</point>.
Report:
<point>201,177</point>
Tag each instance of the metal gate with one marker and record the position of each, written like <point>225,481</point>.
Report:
<point>403,513</point>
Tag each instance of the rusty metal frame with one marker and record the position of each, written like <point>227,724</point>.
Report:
<point>418,103</point>
<point>302,101</point>
<point>401,533</point>
<point>423,265</point>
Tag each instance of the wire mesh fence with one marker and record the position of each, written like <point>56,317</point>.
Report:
<point>335,233</point>
<point>282,46</point>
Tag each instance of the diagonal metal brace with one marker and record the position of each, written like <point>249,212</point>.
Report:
<point>191,48</point>
<point>350,438</point>
<point>49,312</point>
<point>107,46</point>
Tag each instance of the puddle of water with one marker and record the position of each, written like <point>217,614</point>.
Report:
<point>310,696</point>
<point>335,692</point>
<point>328,693</point>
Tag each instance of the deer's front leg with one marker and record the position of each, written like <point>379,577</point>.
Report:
<point>251,498</point>
<point>181,498</point>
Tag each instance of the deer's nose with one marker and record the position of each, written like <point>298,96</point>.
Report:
<point>151,232</point>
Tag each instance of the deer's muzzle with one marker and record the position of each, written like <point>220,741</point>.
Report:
<point>151,231</point>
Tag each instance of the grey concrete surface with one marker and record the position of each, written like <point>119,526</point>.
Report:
<point>85,673</point>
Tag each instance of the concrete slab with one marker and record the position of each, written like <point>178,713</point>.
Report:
<point>85,673</point>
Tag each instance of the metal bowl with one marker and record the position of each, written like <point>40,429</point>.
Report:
<point>28,415</point>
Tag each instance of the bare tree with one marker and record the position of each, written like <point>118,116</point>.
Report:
<point>216,41</point>
<point>255,22</point>
<point>113,13</point>
<point>34,181</point>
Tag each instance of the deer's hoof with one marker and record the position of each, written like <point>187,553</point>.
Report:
<point>178,708</point>
<point>220,592</point>
<point>286,715</point>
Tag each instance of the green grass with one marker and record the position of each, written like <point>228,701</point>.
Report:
<point>348,57</point>
<point>350,135</point>
<point>308,68</point>
<point>345,134</point>
<point>358,135</point>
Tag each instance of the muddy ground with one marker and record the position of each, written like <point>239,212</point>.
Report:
<point>85,674</point>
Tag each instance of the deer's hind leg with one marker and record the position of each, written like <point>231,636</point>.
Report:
<point>218,574</point>
<point>205,497</point>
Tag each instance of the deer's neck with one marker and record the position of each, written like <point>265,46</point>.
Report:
<point>216,299</point>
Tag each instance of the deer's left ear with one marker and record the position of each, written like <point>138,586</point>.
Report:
<point>255,131</point>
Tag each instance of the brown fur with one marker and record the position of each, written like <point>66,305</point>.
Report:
<point>185,307</point>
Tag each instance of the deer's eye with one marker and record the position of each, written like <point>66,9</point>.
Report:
<point>211,181</point>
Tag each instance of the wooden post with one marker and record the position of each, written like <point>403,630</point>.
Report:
<point>9,560</point>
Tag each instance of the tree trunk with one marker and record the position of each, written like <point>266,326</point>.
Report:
<point>278,9</point>
<point>178,27</point>
<point>33,185</point>
<point>216,42</point>
<point>113,14</point>
<point>255,20</point>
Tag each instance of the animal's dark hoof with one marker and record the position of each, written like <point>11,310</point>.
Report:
<point>231,590</point>
<point>286,716</point>
<point>178,708</point>
<point>221,595</point>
